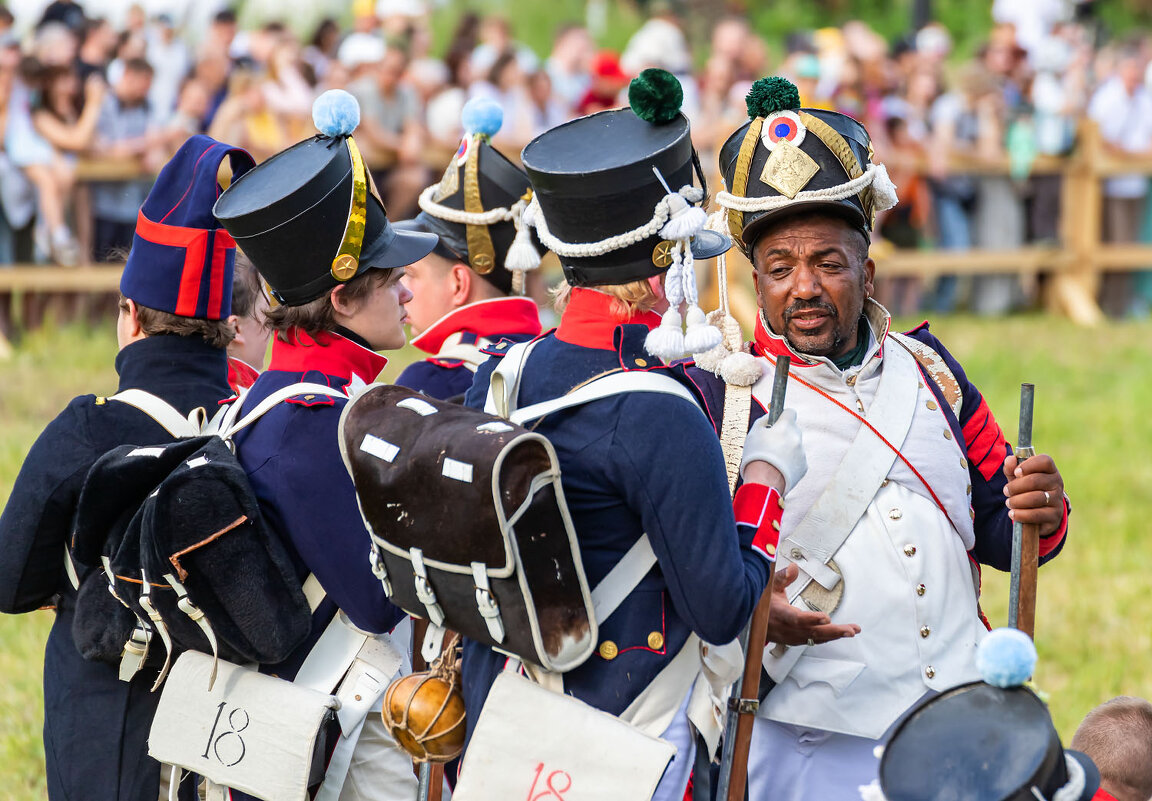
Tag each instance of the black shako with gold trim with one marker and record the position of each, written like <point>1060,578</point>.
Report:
<point>309,218</point>
<point>594,179</point>
<point>478,179</point>
<point>795,154</point>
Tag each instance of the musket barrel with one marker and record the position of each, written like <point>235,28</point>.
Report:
<point>742,705</point>
<point>1022,589</point>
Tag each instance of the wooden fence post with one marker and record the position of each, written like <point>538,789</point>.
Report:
<point>1074,289</point>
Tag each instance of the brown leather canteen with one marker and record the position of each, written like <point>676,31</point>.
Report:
<point>468,524</point>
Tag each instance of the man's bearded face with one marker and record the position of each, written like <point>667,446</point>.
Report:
<point>812,275</point>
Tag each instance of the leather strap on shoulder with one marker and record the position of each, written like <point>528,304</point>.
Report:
<point>606,387</point>
<point>504,384</point>
<point>164,413</point>
<point>229,428</point>
<point>622,579</point>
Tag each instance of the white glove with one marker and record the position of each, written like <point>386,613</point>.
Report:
<point>780,445</point>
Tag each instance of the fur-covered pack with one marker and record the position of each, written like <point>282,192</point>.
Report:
<point>178,553</point>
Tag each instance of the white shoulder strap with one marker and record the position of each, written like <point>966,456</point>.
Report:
<point>164,413</point>
<point>609,385</point>
<point>229,428</point>
<point>622,579</point>
<point>504,385</point>
<point>471,356</point>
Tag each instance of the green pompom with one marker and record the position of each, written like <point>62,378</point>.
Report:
<point>770,95</point>
<point>655,96</point>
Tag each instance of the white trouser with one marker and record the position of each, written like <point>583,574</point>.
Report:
<point>793,763</point>
<point>380,770</point>
<point>680,733</point>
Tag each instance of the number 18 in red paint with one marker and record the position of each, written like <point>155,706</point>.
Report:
<point>551,790</point>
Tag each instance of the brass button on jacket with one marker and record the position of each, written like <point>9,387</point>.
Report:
<point>608,650</point>
<point>655,641</point>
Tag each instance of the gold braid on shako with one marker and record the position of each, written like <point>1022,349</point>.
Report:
<point>482,118</point>
<point>787,158</point>
<point>780,125</point>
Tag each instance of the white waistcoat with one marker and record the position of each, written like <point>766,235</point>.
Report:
<point>907,581</point>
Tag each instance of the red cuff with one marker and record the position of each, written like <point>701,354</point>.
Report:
<point>1049,543</point>
<point>758,505</point>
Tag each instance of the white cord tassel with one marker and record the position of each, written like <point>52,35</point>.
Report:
<point>685,220</point>
<point>522,255</point>
<point>871,792</point>
<point>883,190</point>
<point>741,369</point>
<point>666,341</point>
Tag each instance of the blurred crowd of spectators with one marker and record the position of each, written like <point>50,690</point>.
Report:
<point>74,88</point>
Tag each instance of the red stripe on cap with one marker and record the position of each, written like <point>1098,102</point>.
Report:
<point>221,244</point>
<point>194,241</point>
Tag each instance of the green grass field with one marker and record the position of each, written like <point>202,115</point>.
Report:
<point>1094,623</point>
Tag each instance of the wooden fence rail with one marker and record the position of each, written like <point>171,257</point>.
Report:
<point>1075,265</point>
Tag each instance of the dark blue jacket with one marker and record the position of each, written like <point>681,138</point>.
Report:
<point>983,441</point>
<point>630,464</point>
<point>292,458</point>
<point>95,726</point>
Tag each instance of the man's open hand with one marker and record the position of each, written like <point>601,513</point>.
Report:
<point>792,626</point>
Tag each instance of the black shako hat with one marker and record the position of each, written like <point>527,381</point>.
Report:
<point>595,183</point>
<point>309,218</point>
<point>985,741</point>
<point>787,160</point>
<point>477,207</point>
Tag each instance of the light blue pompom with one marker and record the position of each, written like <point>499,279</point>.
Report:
<point>336,113</point>
<point>482,115</point>
<point>1006,658</point>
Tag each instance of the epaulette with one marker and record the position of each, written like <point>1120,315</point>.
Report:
<point>922,327</point>
<point>308,399</point>
<point>498,348</point>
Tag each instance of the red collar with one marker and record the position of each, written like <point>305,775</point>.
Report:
<point>484,318</point>
<point>241,375</point>
<point>589,321</point>
<point>328,353</point>
<point>1103,795</point>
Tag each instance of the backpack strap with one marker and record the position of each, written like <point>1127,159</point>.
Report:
<point>229,426</point>
<point>504,385</point>
<point>623,578</point>
<point>605,387</point>
<point>164,413</point>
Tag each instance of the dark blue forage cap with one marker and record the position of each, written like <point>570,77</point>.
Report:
<point>181,261</point>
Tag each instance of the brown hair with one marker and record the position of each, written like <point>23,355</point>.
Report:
<point>319,315</point>
<point>1117,735</point>
<point>627,299</point>
<point>153,322</point>
<point>245,286</point>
